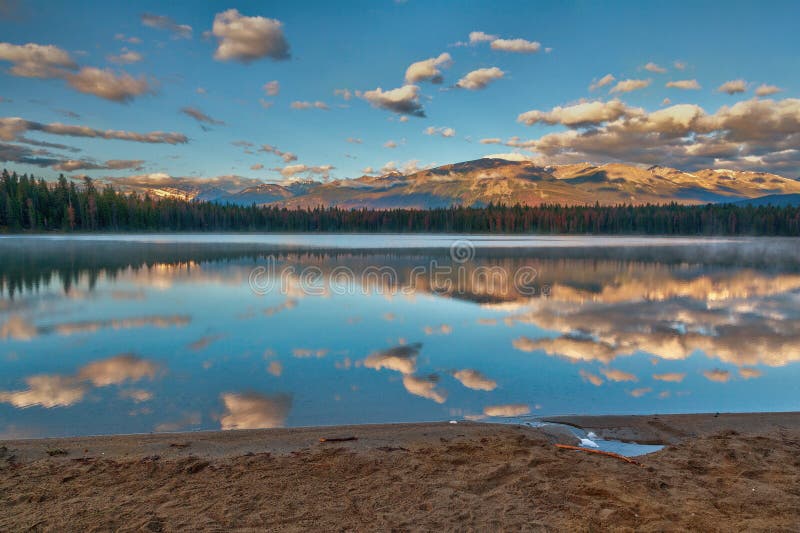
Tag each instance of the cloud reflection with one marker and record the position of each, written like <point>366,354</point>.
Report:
<point>508,410</point>
<point>401,358</point>
<point>252,410</point>
<point>47,391</point>
<point>425,387</point>
<point>63,391</point>
<point>472,379</point>
<point>672,377</point>
<point>591,378</point>
<point>749,373</point>
<point>718,375</point>
<point>118,369</point>
<point>618,375</point>
<point>17,328</point>
<point>763,331</point>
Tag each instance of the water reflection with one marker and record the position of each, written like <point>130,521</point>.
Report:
<point>63,391</point>
<point>103,337</point>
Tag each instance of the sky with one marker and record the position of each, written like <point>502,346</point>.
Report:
<point>272,91</point>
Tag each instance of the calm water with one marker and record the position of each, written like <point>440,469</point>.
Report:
<point>167,333</point>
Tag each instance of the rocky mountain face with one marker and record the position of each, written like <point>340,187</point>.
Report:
<point>479,182</point>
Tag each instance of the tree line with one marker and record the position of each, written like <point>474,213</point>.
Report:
<point>28,204</point>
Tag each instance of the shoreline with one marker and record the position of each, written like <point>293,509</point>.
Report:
<point>674,428</point>
<point>716,473</point>
<point>281,441</point>
<point>661,429</point>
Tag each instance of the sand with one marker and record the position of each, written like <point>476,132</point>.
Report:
<point>718,473</point>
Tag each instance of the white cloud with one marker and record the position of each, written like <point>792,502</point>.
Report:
<point>126,39</point>
<point>47,61</point>
<point>199,116</point>
<point>403,100</point>
<point>492,140</point>
<point>684,84</point>
<point>12,127</point>
<point>72,165</point>
<point>428,69</point>
<point>733,87</point>
<point>272,88</point>
<point>515,45</point>
<point>652,67</point>
<point>443,131</point>
<point>602,82</point>
<point>288,157</point>
<point>246,39</point>
<point>680,65</point>
<point>510,156</point>
<point>346,94</point>
<point>766,90</point>
<point>521,46</point>
<point>125,57</point>
<point>480,78</point>
<point>626,86</point>
<point>409,167</point>
<point>476,37</point>
<point>36,61</point>
<point>390,144</point>
<point>297,104</point>
<point>757,134</point>
<point>293,170</point>
<point>582,114</point>
<point>104,83</point>
<point>161,22</point>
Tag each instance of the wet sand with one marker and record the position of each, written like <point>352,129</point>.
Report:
<point>718,473</point>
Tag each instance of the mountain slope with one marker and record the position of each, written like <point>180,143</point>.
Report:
<point>777,200</point>
<point>479,182</point>
<point>483,181</point>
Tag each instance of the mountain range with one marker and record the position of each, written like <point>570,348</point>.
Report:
<point>479,182</point>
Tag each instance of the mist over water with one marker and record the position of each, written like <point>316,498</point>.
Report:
<point>165,333</point>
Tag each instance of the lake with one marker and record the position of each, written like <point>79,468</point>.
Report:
<point>142,333</point>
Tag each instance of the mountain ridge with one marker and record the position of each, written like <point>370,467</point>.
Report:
<point>494,180</point>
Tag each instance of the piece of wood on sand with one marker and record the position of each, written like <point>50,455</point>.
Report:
<point>337,439</point>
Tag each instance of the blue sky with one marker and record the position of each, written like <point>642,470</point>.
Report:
<point>174,63</point>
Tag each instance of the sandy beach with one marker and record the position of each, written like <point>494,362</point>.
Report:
<point>717,473</point>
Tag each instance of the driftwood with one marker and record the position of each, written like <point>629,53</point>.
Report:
<point>599,452</point>
<point>337,439</point>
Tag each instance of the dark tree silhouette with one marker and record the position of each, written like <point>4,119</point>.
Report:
<point>28,204</point>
